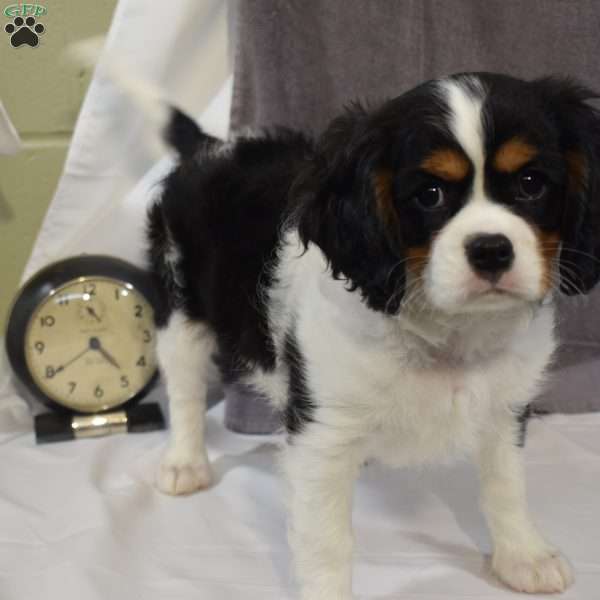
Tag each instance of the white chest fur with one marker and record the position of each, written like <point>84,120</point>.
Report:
<point>412,389</point>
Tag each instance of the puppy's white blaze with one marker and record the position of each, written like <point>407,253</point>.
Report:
<point>465,101</point>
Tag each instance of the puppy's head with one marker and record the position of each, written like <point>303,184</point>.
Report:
<point>479,191</point>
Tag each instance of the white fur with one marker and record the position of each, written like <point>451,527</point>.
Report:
<point>147,97</point>
<point>439,388</point>
<point>441,380</point>
<point>184,352</point>
<point>522,558</point>
<point>385,391</point>
<point>450,283</point>
<point>465,100</point>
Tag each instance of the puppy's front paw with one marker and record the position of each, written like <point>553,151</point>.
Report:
<point>176,476</point>
<point>548,573</point>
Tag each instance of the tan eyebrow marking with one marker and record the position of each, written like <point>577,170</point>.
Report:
<point>382,184</point>
<point>513,154</point>
<point>417,258</point>
<point>548,245</point>
<point>447,163</point>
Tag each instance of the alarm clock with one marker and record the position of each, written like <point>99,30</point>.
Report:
<point>81,339</point>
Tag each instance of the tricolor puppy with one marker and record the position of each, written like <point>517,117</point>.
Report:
<point>389,288</point>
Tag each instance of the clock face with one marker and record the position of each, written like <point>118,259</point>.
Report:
<point>90,345</point>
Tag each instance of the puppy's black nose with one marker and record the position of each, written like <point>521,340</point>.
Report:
<point>490,254</point>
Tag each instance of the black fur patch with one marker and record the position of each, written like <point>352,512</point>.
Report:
<point>554,114</point>
<point>161,270</point>
<point>300,407</point>
<point>185,136</point>
<point>214,236</point>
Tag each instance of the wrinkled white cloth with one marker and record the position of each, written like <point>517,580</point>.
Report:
<point>81,520</point>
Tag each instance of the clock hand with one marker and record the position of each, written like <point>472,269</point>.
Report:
<point>91,311</point>
<point>109,358</point>
<point>93,344</point>
<point>63,367</point>
<point>96,345</point>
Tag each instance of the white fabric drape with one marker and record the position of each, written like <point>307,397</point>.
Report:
<point>181,47</point>
<point>82,521</point>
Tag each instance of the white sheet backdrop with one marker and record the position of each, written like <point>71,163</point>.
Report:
<point>181,46</point>
<point>81,520</point>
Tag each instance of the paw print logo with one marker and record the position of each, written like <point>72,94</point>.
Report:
<point>24,31</point>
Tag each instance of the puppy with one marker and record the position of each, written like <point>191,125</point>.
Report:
<point>389,288</point>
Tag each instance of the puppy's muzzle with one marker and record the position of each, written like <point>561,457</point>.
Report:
<point>490,255</point>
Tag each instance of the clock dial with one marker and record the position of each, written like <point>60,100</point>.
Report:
<point>90,346</point>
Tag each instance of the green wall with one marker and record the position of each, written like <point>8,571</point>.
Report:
<point>42,93</point>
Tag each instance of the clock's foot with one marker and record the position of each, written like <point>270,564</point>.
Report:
<point>183,477</point>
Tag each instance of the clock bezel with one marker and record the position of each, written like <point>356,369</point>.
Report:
<point>39,288</point>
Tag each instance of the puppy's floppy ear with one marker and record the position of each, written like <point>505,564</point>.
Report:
<point>342,199</point>
<point>580,139</point>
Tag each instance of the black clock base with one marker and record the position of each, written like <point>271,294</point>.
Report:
<point>55,427</point>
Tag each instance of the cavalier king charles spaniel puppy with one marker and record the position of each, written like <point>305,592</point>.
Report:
<point>389,288</point>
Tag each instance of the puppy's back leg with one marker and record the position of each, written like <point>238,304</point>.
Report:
<point>184,350</point>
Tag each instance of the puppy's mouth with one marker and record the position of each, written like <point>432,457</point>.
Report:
<point>493,294</point>
<point>498,291</point>
<point>474,293</point>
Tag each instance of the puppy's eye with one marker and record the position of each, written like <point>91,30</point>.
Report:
<point>532,185</point>
<point>430,198</point>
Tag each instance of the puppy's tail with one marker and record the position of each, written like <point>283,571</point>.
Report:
<point>184,135</point>
<point>171,125</point>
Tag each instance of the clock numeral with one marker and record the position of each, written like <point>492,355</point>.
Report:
<point>89,288</point>
<point>72,386</point>
<point>124,381</point>
<point>47,321</point>
<point>98,392</point>
<point>139,311</point>
<point>141,361</point>
<point>39,346</point>
<point>50,372</point>
<point>147,336</point>
<point>117,294</point>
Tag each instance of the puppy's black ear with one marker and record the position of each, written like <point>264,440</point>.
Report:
<point>344,206</point>
<point>580,132</point>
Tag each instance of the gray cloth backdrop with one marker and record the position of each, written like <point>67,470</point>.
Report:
<point>298,62</point>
